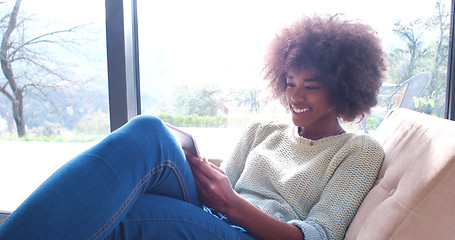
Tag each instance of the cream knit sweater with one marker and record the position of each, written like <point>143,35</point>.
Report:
<point>315,185</point>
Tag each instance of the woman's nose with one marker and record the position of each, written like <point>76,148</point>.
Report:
<point>298,95</point>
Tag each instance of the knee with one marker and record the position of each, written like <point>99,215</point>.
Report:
<point>146,128</point>
<point>145,122</point>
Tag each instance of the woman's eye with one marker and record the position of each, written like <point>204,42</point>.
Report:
<point>290,84</point>
<point>312,87</point>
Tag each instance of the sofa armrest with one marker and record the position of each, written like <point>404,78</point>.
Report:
<point>413,197</point>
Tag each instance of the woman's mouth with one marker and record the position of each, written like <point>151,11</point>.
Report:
<point>297,109</point>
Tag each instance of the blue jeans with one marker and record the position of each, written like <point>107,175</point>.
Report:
<point>135,184</point>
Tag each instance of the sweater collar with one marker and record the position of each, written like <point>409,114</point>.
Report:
<point>302,141</point>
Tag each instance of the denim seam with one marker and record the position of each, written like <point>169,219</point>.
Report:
<point>127,202</point>
<point>186,195</point>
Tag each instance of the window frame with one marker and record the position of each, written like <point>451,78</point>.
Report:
<point>450,89</point>
<point>123,63</point>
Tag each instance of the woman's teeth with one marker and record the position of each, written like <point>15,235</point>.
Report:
<point>300,110</point>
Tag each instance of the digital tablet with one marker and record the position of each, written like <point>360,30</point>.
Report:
<point>185,139</point>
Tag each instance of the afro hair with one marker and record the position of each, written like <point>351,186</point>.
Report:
<point>346,56</point>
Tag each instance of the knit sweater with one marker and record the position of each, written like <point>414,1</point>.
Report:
<point>315,185</point>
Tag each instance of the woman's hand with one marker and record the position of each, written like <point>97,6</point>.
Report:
<point>213,185</point>
<point>216,192</point>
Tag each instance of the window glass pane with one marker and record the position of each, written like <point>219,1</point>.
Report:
<point>58,77</point>
<point>205,57</point>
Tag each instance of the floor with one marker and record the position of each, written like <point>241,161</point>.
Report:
<point>3,216</point>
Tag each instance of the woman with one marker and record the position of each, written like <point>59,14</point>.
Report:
<point>303,180</point>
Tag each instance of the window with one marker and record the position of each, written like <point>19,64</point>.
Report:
<point>203,57</point>
<point>57,52</point>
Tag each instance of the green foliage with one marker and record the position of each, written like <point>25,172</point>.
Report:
<point>219,121</point>
<point>373,123</point>
<point>246,98</point>
<point>426,44</point>
<point>425,104</point>
<point>47,129</point>
<point>194,120</point>
<point>422,102</point>
<point>93,124</point>
<point>203,100</point>
<point>90,127</point>
<point>211,100</point>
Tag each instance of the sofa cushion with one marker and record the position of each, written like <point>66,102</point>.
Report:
<point>414,195</point>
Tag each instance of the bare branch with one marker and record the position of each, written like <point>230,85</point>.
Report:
<point>6,93</point>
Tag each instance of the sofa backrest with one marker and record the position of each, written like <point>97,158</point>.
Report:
<point>414,195</point>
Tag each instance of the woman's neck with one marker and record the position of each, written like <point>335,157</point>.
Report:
<point>307,133</point>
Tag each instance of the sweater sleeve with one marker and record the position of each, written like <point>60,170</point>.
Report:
<point>351,181</point>
<point>234,165</point>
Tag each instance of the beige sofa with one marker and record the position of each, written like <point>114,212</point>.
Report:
<point>414,195</point>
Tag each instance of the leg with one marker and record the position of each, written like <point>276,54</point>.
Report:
<point>88,197</point>
<point>158,217</point>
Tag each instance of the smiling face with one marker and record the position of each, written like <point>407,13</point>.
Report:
<point>310,105</point>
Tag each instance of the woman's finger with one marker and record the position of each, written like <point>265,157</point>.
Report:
<point>200,176</point>
<point>217,168</point>
<point>206,168</point>
<point>190,157</point>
